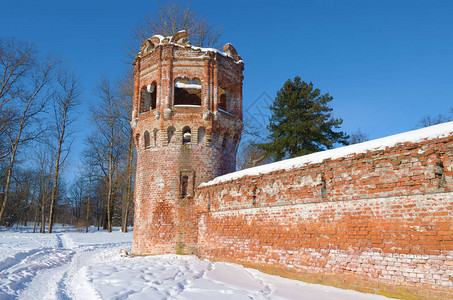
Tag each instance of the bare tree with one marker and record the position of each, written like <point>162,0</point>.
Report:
<point>16,60</point>
<point>125,95</point>
<point>44,162</point>
<point>434,120</point>
<point>88,205</point>
<point>66,99</point>
<point>106,141</point>
<point>250,156</point>
<point>171,17</point>
<point>358,137</point>
<point>29,102</point>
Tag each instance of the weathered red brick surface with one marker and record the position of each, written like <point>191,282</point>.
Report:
<point>165,219</point>
<point>385,216</point>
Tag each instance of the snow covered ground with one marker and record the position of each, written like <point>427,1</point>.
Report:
<point>72,265</point>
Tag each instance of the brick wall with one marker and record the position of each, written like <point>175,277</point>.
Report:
<point>368,221</point>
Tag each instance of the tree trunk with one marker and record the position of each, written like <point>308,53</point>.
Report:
<point>43,216</point>
<point>55,177</point>
<point>8,181</point>
<point>54,189</point>
<point>88,205</point>
<point>110,183</point>
<point>129,194</point>
<point>36,217</point>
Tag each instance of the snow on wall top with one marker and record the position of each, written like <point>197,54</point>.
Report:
<point>428,133</point>
<point>180,40</point>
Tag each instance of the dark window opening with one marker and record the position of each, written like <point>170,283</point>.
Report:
<point>145,100</point>
<point>223,102</point>
<point>254,196</point>
<point>187,92</point>
<point>224,99</point>
<point>152,89</point>
<point>146,136</point>
<point>186,135</point>
<point>148,97</point>
<point>184,186</point>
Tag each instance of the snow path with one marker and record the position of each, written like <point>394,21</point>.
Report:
<point>72,265</point>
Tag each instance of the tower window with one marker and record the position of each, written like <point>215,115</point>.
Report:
<point>146,137</point>
<point>152,90</point>
<point>148,97</point>
<point>224,99</point>
<point>187,92</point>
<point>186,135</point>
<point>184,186</point>
<point>145,100</point>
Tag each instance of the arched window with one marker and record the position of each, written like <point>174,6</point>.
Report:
<point>137,140</point>
<point>146,137</point>
<point>145,100</point>
<point>224,99</point>
<point>155,133</point>
<point>186,135</point>
<point>170,133</point>
<point>187,92</point>
<point>148,97</point>
<point>152,89</point>
<point>201,135</point>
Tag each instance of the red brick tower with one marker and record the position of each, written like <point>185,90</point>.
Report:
<point>187,122</point>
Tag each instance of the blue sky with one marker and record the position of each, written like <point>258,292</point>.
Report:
<point>386,63</point>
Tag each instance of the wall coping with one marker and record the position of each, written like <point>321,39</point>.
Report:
<point>415,136</point>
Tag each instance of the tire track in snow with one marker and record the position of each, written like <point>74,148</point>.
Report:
<point>15,259</point>
<point>17,277</point>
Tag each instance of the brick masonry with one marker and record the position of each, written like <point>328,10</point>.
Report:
<point>382,216</point>
<point>169,167</point>
<point>379,221</point>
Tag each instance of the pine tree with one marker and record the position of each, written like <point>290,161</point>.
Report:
<point>301,122</point>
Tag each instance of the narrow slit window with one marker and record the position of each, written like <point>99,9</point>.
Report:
<point>145,100</point>
<point>186,136</point>
<point>152,90</point>
<point>146,137</point>
<point>184,186</point>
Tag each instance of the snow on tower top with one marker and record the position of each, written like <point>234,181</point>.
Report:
<point>180,39</point>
